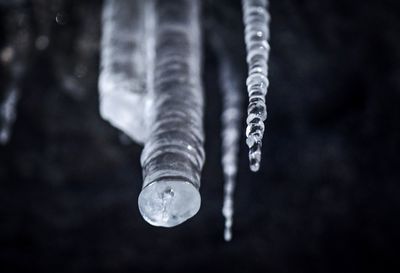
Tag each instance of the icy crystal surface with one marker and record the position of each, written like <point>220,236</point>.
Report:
<point>256,21</point>
<point>125,81</point>
<point>173,155</point>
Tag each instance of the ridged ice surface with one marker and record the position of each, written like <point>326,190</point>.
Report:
<point>173,155</point>
<point>256,21</point>
<point>125,81</point>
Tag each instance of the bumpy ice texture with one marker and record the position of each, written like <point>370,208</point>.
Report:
<point>256,21</point>
<point>173,155</point>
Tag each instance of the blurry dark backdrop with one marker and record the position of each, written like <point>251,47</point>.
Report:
<point>325,200</point>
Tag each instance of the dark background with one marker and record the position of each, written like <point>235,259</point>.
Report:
<point>325,200</point>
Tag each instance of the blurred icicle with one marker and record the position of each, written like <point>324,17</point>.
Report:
<point>125,82</point>
<point>8,114</point>
<point>231,118</point>
<point>173,156</point>
<point>13,63</point>
<point>256,21</point>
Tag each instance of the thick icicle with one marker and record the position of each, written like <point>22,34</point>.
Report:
<point>8,114</point>
<point>173,155</point>
<point>125,81</point>
<point>256,21</point>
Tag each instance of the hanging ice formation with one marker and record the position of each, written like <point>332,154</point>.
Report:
<point>152,91</point>
<point>231,117</point>
<point>229,84</point>
<point>125,81</point>
<point>8,114</point>
<point>256,21</point>
<point>173,155</point>
<point>13,62</point>
<point>150,88</point>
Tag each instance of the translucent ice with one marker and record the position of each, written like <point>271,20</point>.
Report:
<point>256,21</point>
<point>168,203</point>
<point>173,155</point>
<point>231,119</point>
<point>125,81</point>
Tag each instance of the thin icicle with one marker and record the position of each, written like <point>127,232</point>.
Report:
<point>256,21</point>
<point>231,119</point>
<point>8,114</point>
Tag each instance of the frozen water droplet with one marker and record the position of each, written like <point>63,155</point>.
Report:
<point>61,18</point>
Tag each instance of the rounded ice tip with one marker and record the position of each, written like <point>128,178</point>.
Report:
<point>169,203</point>
<point>255,166</point>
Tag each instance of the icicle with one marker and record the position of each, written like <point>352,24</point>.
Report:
<point>13,63</point>
<point>125,81</point>
<point>256,21</point>
<point>173,155</point>
<point>231,119</point>
<point>8,114</point>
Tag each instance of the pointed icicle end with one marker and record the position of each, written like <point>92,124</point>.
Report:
<point>255,156</point>
<point>227,234</point>
<point>254,166</point>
